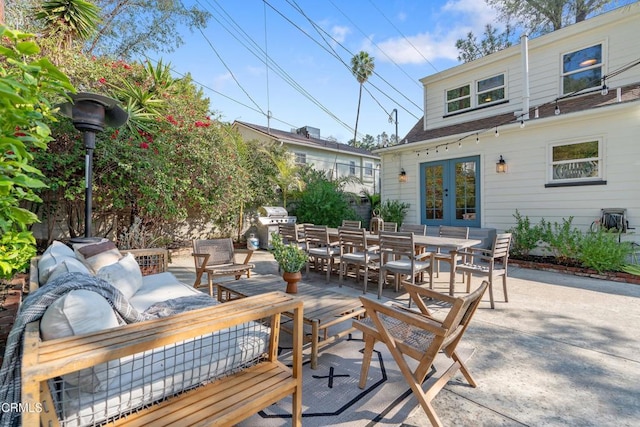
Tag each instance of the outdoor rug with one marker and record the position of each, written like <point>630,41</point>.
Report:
<point>331,395</point>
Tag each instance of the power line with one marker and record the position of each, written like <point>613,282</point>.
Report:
<point>403,36</point>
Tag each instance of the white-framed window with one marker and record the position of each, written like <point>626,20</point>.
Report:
<point>368,169</point>
<point>490,90</point>
<point>458,98</point>
<point>582,69</point>
<point>576,161</point>
<point>483,92</point>
<point>300,158</point>
<point>352,167</point>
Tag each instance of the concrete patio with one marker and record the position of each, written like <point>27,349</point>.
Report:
<point>563,352</point>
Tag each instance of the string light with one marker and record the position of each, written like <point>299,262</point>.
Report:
<point>521,124</point>
<point>477,139</point>
<point>459,144</point>
<point>446,147</point>
<point>556,111</point>
<point>497,133</point>
<point>605,90</point>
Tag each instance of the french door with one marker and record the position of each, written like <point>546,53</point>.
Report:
<point>450,192</point>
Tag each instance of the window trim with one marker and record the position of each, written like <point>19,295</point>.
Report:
<point>597,180</point>
<point>602,66</point>
<point>352,167</point>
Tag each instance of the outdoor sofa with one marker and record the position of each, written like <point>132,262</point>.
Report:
<point>212,365</point>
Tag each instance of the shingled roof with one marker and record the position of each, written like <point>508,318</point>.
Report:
<point>309,141</point>
<point>567,105</point>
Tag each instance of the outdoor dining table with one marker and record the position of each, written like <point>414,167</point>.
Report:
<point>453,244</point>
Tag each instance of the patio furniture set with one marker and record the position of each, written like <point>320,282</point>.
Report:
<point>149,351</point>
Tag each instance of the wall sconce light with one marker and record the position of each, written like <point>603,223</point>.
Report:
<point>402,176</point>
<point>501,166</point>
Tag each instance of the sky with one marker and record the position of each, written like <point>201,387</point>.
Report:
<point>309,44</point>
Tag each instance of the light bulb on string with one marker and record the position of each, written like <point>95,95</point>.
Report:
<point>477,139</point>
<point>446,147</point>
<point>497,133</point>
<point>557,109</point>
<point>521,124</point>
<point>459,144</point>
<point>605,90</point>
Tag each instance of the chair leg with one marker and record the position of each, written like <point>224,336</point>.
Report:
<point>369,341</point>
<point>491,292</point>
<point>463,369</point>
<point>366,278</point>
<point>504,286</point>
<point>452,281</point>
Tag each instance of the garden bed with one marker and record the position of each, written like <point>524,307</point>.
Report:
<point>547,263</point>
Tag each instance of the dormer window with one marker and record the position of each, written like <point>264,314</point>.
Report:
<point>481,93</point>
<point>458,99</point>
<point>490,90</point>
<point>582,69</point>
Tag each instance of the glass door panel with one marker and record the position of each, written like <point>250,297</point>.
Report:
<point>450,192</point>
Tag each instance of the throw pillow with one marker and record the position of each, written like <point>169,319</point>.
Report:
<point>68,265</point>
<point>80,312</point>
<point>54,255</point>
<point>97,255</point>
<point>125,275</point>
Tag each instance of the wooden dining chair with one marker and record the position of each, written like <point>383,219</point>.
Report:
<point>490,263</point>
<point>355,250</point>
<point>444,255</point>
<point>216,257</point>
<point>422,337</point>
<point>420,229</point>
<point>290,233</point>
<point>390,226</point>
<point>320,248</point>
<point>351,223</point>
<point>398,256</point>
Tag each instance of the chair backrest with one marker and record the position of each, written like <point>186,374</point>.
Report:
<point>419,229</point>
<point>352,224</point>
<point>390,226</point>
<point>316,236</point>
<point>352,240</point>
<point>399,243</point>
<point>501,245</point>
<point>289,233</point>
<point>460,314</point>
<point>454,232</point>
<point>220,251</point>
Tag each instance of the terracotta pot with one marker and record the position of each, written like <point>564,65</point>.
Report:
<point>292,280</point>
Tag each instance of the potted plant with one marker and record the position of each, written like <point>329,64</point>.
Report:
<point>291,259</point>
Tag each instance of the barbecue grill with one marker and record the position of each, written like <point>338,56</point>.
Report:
<point>269,217</point>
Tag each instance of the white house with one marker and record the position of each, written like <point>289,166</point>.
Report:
<point>309,149</point>
<point>562,111</point>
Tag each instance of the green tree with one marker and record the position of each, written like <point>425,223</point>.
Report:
<point>362,66</point>
<point>544,16</point>
<point>27,83</point>
<point>469,49</point>
<point>134,28</point>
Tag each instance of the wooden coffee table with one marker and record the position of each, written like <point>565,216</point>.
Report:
<point>323,308</point>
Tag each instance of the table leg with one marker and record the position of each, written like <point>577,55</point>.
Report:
<point>315,336</point>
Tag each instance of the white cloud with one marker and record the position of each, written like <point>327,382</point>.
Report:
<point>455,19</point>
<point>339,33</point>
<point>220,81</point>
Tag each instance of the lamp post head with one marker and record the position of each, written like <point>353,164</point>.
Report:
<point>90,112</point>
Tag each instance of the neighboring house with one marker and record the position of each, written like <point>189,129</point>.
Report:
<point>340,160</point>
<point>567,161</point>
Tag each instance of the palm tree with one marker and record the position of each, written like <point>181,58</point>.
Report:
<point>69,20</point>
<point>362,66</point>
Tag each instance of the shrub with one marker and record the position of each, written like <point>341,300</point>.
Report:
<point>563,239</point>
<point>525,237</point>
<point>602,251</point>
<point>394,211</point>
<point>322,202</point>
<point>289,257</point>
<point>27,84</point>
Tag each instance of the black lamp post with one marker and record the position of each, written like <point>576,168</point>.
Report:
<point>90,113</point>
